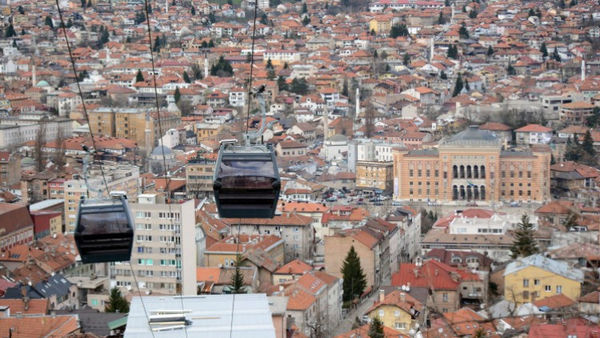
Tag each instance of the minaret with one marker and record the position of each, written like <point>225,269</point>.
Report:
<point>431,48</point>
<point>325,126</point>
<point>582,70</point>
<point>452,16</point>
<point>166,6</point>
<point>107,57</point>
<point>205,65</point>
<point>357,108</point>
<point>33,76</point>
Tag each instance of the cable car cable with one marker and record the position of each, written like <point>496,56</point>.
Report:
<point>162,149</point>
<point>250,78</point>
<point>64,29</point>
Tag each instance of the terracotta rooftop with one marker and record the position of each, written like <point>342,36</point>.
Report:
<point>295,267</point>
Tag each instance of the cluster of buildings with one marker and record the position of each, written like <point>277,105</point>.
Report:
<point>417,133</point>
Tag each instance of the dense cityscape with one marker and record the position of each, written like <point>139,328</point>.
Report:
<point>436,168</point>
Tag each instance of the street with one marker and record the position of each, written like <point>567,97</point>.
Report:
<point>346,323</point>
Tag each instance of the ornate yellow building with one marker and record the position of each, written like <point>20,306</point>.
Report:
<point>471,166</point>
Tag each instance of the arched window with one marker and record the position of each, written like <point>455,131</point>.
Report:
<point>475,171</point>
<point>462,192</point>
<point>462,171</point>
<point>475,192</point>
<point>482,171</point>
<point>455,171</point>
<point>454,192</point>
<point>482,189</point>
<point>469,193</point>
<point>469,171</point>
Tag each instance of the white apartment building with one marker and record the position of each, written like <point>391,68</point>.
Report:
<point>16,131</point>
<point>498,224</point>
<point>164,249</point>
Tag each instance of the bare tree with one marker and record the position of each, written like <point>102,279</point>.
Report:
<point>59,151</point>
<point>369,120</point>
<point>40,140</point>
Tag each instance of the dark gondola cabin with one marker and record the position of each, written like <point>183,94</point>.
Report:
<point>246,182</point>
<point>104,231</point>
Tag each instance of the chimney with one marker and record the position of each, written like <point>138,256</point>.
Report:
<point>381,295</point>
<point>403,296</point>
<point>582,70</point>
<point>33,76</point>
<point>4,311</point>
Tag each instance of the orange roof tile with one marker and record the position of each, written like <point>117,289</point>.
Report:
<point>39,326</point>
<point>294,267</point>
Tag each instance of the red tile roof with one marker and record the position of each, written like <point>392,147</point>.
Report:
<point>432,274</point>
<point>295,267</point>
<point>555,302</point>
<point>533,128</point>
<point>39,326</point>
<point>35,306</point>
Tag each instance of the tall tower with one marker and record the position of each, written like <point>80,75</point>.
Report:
<point>106,57</point>
<point>325,126</point>
<point>205,65</point>
<point>452,16</point>
<point>431,49</point>
<point>33,76</point>
<point>166,6</point>
<point>357,107</point>
<point>582,70</point>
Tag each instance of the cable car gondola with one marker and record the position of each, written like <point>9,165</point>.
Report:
<point>104,231</point>
<point>246,181</point>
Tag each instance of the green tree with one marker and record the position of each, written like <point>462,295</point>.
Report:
<point>443,75</point>
<point>510,70</point>
<point>458,86</point>
<point>116,302</point>
<point>237,280</point>
<point>269,64</point>
<point>555,55</point>
<point>490,51</point>
<point>89,4</point>
<point>299,86</point>
<point>467,87</point>
<point>21,10</point>
<point>83,75</point>
<point>355,280</point>
<point>139,77</point>
<point>177,95</point>
<point>588,144</point>
<point>524,242</point>
<point>398,30</point>
<point>531,12</point>
<point>473,14</point>
<point>304,8</point>
<point>452,52</point>
<point>139,17</point>
<point>211,44</point>
<point>104,36</point>
<point>196,72</point>
<point>222,68</point>
<point>406,59</point>
<point>281,83</point>
<point>441,19</point>
<point>10,31</point>
<point>186,77</point>
<point>376,328</point>
<point>573,150</point>
<point>594,119</point>
<point>156,47</point>
<point>193,11</point>
<point>48,22</point>
<point>83,3</point>
<point>544,50</point>
<point>463,32</point>
<point>264,19</point>
<point>345,88</point>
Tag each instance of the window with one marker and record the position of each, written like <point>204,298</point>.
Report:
<point>536,282</point>
<point>525,283</point>
<point>548,288</point>
<point>400,326</point>
<point>525,294</point>
<point>397,313</point>
<point>410,173</point>
<point>559,289</point>
<point>381,313</point>
<point>445,297</point>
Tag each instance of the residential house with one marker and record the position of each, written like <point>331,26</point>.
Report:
<point>294,229</point>
<point>502,131</point>
<point>438,285</point>
<point>570,176</point>
<point>397,310</point>
<point>10,169</point>
<point>40,326</point>
<point>290,148</point>
<point>290,272</point>
<point>537,277</point>
<point>573,327</point>
<point>61,294</point>
<point>590,303</point>
<point>533,134</point>
<point>225,251</point>
<point>576,112</point>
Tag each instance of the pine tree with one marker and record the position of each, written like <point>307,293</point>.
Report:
<point>406,59</point>
<point>441,19</point>
<point>588,144</point>
<point>139,77</point>
<point>398,30</point>
<point>458,86</point>
<point>453,52</point>
<point>544,50</point>
<point>555,55</point>
<point>306,20</point>
<point>473,14</point>
<point>237,280</point>
<point>463,32</point>
<point>177,95</point>
<point>21,10</point>
<point>116,302</point>
<point>304,8</point>
<point>354,278</point>
<point>281,83</point>
<point>48,22</point>
<point>269,64</point>
<point>376,328</point>
<point>193,11</point>
<point>83,3</point>
<point>139,17</point>
<point>490,51</point>
<point>443,75</point>
<point>186,77</point>
<point>510,70</point>
<point>345,88</point>
<point>524,243</point>
<point>10,31</point>
<point>467,87</point>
